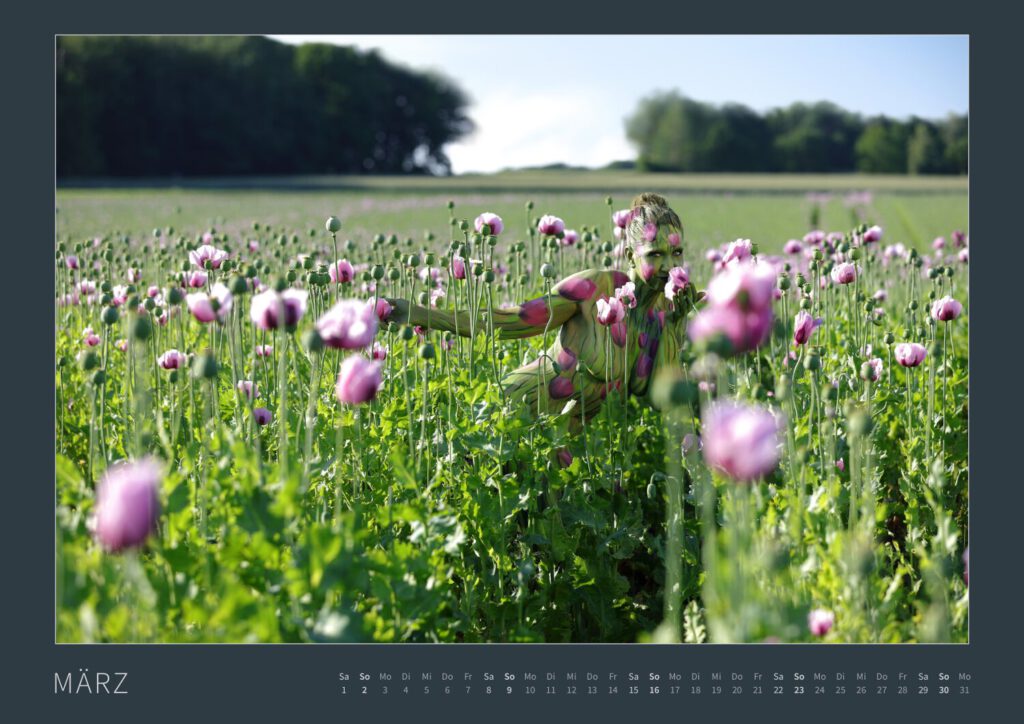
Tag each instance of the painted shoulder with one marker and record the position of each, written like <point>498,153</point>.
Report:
<point>590,284</point>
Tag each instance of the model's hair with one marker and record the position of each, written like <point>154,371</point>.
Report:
<point>649,208</point>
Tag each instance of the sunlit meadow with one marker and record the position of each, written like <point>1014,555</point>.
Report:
<point>249,449</point>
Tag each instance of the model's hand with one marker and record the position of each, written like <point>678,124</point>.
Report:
<point>399,311</point>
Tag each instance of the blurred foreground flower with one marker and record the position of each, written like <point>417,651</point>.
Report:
<point>741,441</point>
<point>127,504</point>
<point>820,621</point>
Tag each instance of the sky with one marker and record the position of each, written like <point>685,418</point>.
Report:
<point>538,99</point>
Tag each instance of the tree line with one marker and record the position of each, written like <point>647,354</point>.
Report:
<point>192,106</point>
<point>674,133</point>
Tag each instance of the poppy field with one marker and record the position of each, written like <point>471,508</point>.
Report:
<point>256,440</point>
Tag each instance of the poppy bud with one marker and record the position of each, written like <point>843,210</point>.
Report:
<point>142,329</point>
<point>204,367</point>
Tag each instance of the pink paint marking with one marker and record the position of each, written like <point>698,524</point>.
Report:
<point>534,312</point>
<point>578,290</point>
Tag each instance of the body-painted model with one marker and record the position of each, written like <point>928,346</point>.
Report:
<point>588,357</point>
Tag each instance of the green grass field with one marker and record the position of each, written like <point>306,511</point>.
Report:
<point>715,208</point>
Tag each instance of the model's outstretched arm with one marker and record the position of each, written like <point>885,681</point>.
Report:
<point>528,319</point>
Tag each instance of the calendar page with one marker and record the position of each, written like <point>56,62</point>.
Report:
<point>452,364</point>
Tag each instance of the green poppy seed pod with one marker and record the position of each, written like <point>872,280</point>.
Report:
<point>456,246</point>
<point>932,295</point>
<point>463,225</point>
<point>307,263</point>
<point>256,224</point>
<point>801,280</point>
<point>492,241</point>
<point>106,287</point>
<point>106,299</point>
<point>489,276</point>
<point>396,254</point>
<point>784,283</point>
<point>134,301</point>
<point>485,229</point>
<point>394,274</point>
<point>817,255</point>
<point>312,279</point>
<point>430,259</point>
<point>805,303</point>
<point>291,276</point>
<point>174,295</point>
<point>377,272</point>
<point>859,423</point>
<point>948,271</point>
<point>869,306</point>
<point>142,328</point>
<point>227,265</point>
<point>918,262</point>
<point>912,306</point>
<point>500,354</point>
<point>173,376</point>
<point>855,254</point>
<point>753,248</point>
<point>90,361</point>
<point>787,267</point>
<point>607,247</point>
<point>149,304</point>
<point>423,298</point>
<point>524,280</point>
<point>451,205</point>
<point>866,371</point>
<point>829,392</point>
<point>280,284</point>
<point>110,316</point>
<point>935,349</point>
<point>607,261</point>
<point>413,260</point>
<point>407,333</point>
<point>812,362</point>
<point>365,277</point>
<point>312,341</point>
<point>933,273</point>
<point>652,490</point>
<point>350,245</point>
<point>239,285</point>
<point>204,366</point>
<point>547,271</point>
<point>478,269</point>
<point>844,247</point>
<point>889,338</point>
<point>108,255</point>
<point>529,207</point>
<point>62,361</point>
<point>672,389</point>
<point>78,248</point>
<point>922,332</point>
<point>452,222</point>
<point>156,233</point>
<point>427,351</point>
<point>782,386</point>
<point>99,377</point>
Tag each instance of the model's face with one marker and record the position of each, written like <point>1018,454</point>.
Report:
<point>658,251</point>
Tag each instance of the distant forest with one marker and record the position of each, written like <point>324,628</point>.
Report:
<point>200,106</point>
<point>192,106</point>
<point>675,133</point>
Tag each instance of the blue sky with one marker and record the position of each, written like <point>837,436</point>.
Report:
<point>546,99</point>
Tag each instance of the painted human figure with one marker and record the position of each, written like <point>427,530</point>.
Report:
<point>586,353</point>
